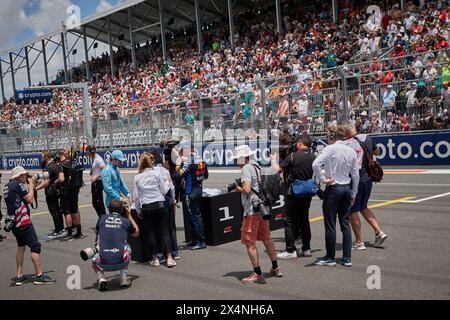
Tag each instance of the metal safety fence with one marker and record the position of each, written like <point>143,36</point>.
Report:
<point>385,95</point>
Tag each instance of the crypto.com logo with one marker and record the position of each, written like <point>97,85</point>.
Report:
<point>73,21</point>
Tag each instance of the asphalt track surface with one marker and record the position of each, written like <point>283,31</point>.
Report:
<point>413,262</point>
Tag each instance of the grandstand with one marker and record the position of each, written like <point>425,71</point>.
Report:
<point>287,65</point>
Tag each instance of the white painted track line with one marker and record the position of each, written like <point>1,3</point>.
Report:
<point>428,198</point>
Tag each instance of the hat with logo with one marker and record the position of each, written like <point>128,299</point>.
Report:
<point>117,154</point>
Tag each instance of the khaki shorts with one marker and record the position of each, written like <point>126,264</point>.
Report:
<point>254,228</point>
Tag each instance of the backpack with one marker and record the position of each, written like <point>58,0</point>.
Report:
<point>374,169</point>
<point>270,187</point>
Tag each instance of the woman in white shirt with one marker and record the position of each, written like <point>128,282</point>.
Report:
<point>150,189</point>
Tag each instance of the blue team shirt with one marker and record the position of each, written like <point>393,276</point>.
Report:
<point>112,232</point>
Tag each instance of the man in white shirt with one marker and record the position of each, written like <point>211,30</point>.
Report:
<point>388,98</point>
<point>98,164</point>
<point>342,178</point>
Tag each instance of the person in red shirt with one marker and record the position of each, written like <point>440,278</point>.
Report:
<point>404,125</point>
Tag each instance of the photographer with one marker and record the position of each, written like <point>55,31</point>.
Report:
<point>297,166</point>
<point>114,253</point>
<point>254,227</point>
<point>17,198</point>
<point>98,164</point>
<point>53,189</point>
<point>73,181</point>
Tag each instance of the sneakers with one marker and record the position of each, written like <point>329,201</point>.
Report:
<point>155,263</point>
<point>161,259</point>
<point>57,235</point>
<point>103,284</point>
<point>325,261</point>
<point>44,279</point>
<point>171,263</point>
<point>78,236</point>
<point>276,273</point>
<point>199,246</point>
<point>346,262</point>
<point>20,281</point>
<point>380,238</point>
<point>287,256</point>
<point>254,278</point>
<point>176,256</point>
<point>68,237</point>
<point>304,254</point>
<point>359,246</point>
<point>125,282</point>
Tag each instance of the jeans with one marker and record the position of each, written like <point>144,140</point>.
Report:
<point>296,223</point>
<point>97,198</point>
<point>156,224</point>
<point>193,206</point>
<point>337,202</point>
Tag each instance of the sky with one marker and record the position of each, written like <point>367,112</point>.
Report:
<point>23,20</point>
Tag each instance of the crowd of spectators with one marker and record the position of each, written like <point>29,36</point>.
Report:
<point>396,70</point>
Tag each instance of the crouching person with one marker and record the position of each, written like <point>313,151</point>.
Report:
<point>114,253</point>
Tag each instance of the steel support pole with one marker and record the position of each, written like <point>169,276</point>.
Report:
<point>133,47</point>
<point>86,54</point>
<point>278,12</point>
<point>198,20</point>
<point>87,132</point>
<point>13,80</point>
<point>2,86</point>
<point>28,66</point>
<point>66,71</point>
<point>344,93</point>
<point>44,55</point>
<point>163,32</point>
<point>231,22</point>
<point>402,4</point>
<point>111,51</point>
<point>335,12</point>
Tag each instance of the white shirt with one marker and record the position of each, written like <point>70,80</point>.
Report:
<point>149,187</point>
<point>97,165</point>
<point>341,164</point>
<point>168,179</point>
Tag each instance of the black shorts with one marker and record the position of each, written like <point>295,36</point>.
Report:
<point>70,202</point>
<point>26,236</point>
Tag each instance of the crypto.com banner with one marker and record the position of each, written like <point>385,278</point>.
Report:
<point>396,149</point>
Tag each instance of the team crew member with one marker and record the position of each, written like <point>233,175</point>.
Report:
<point>254,227</point>
<point>341,172</point>
<point>73,181</point>
<point>53,193</point>
<point>194,171</point>
<point>98,164</point>
<point>297,166</point>
<point>150,188</point>
<point>113,184</point>
<point>114,253</point>
<point>357,142</point>
<point>17,198</point>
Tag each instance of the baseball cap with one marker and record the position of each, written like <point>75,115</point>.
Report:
<point>117,154</point>
<point>389,86</point>
<point>18,171</point>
